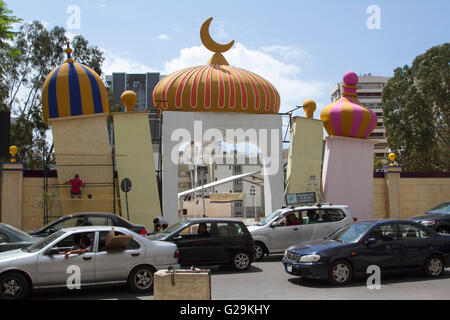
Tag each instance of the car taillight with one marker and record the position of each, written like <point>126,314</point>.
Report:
<point>143,232</point>
<point>175,255</point>
<point>355,219</point>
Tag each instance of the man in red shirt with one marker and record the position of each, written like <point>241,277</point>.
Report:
<point>76,184</point>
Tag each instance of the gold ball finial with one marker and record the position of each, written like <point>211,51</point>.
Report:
<point>129,100</point>
<point>68,50</point>
<point>13,150</point>
<point>392,156</point>
<point>309,106</point>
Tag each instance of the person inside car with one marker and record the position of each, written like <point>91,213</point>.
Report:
<point>291,220</point>
<point>81,244</point>
<point>311,216</point>
<point>203,230</point>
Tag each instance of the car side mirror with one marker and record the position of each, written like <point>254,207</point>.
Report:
<point>52,251</point>
<point>177,238</point>
<point>50,231</point>
<point>274,225</point>
<point>371,241</point>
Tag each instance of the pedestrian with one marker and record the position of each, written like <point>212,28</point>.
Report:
<point>76,184</point>
<point>160,223</point>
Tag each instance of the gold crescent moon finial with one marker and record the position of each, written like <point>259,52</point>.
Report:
<point>209,43</point>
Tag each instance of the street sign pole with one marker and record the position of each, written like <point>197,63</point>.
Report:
<point>126,185</point>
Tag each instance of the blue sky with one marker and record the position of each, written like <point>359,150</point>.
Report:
<point>302,47</point>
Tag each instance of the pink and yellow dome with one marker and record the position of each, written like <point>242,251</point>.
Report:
<point>216,87</point>
<point>347,117</point>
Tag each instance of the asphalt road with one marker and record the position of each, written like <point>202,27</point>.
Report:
<point>266,280</point>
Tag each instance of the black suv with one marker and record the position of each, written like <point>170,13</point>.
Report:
<point>88,219</point>
<point>437,218</point>
<point>211,241</point>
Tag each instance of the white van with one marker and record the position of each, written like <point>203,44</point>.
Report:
<point>285,227</point>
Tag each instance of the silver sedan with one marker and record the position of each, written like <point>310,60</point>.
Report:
<point>47,264</point>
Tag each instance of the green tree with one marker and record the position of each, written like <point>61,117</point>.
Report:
<point>417,113</point>
<point>7,21</point>
<point>41,50</point>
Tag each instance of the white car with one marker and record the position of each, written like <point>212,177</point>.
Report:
<point>43,265</point>
<point>276,233</point>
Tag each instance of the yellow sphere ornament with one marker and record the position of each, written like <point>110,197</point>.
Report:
<point>13,150</point>
<point>129,100</point>
<point>392,156</point>
<point>309,106</point>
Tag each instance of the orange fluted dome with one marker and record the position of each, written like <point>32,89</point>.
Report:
<point>216,87</point>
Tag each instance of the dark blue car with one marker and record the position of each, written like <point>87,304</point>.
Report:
<point>393,245</point>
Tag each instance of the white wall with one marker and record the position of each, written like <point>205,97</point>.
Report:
<point>269,128</point>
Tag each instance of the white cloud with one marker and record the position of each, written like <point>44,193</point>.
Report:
<point>102,5</point>
<point>286,52</point>
<point>293,88</point>
<point>122,62</point>
<point>164,37</point>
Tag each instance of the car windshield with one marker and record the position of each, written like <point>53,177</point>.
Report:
<point>442,208</point>
<point>350,234</point>
<point>269,217</point>
<point>17,232</point>
<point>173,227</point>
<point>44,242</point>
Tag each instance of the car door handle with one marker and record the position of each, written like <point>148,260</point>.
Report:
<point>295,229</point>
<point>135,254</point>
<point>87,258</point>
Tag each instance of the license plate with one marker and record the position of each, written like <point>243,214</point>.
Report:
<point>289,268</point>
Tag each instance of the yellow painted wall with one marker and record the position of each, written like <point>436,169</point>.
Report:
<point>11,185</point>
<point>82,147</point>
<point>305,155</point>
<point>33,212</point>
<point>430,191</point>
<point>417,195</point>
<point>135,161</point>
<point>379,198</point>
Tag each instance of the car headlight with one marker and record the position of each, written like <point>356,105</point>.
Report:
<point>310,258</point>
<point>428,222</point>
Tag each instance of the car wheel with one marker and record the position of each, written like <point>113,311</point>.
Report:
<point>434,266</point>
<point>340,272</point>
<point>141,279</point>
<point>240,261</point>
<point>260,249</point>
<point>13,286</point>
<point>444,230</point>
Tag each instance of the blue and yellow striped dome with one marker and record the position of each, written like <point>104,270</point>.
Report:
<point>73,89</point>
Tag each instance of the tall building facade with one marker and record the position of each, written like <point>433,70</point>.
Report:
<point>370,92</point>
<point>142,85</point>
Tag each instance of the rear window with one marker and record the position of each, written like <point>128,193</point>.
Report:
<point>230,229</point>
<point>333,215</point>
<point>132,245</point>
